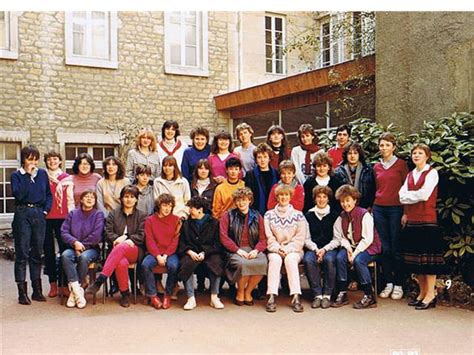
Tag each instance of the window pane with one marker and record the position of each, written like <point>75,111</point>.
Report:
<point>1,193</point>
<point>109,152</point>
<point>268,37</point>
<point>191,56</point>
<point>99,35</point>
<point>81,150</point>
<point>190,35</point>
<point>279,52</point>
<point>78,33</point>
<point>278,38</point>
<point>174,34</point>
<point>2,151</point>
<point>8,190</point>
<point>268,51</point>
<point>278,24</point>
<point>268,22</point>
<point>259,122</point>
<point>9,172</point>
<point>98,154</point>
<point>313,114</point>
<point>11,151</point>
<point>279,67</point>
<point>3,30</point>
<point>190,17</point>
<point>269,66</point>
<point>175,54</point>
<point>70,153</point>
<point>175,17</point>
<point>10,206</point>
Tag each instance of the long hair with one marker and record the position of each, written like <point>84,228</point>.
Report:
<point>170,160</point>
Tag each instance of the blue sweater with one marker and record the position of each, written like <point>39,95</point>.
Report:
<point>190,158</point>
<point>35,191</point>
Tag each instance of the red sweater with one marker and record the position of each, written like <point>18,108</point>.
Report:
<point>57,212</point>
<point>336,155</point>
<point>161,237</point>
<point>297,201</point>
<point>388,182</point>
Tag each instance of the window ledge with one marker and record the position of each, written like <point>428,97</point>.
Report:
<point>6,54</point>
<point>178,70</point>
<point>92,62</point>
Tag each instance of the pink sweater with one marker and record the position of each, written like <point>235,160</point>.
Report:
<point>218,165</point>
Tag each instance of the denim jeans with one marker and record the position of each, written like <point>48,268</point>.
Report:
<point>53,232</point>
<point>215,283</point>
<point>313,272</point>
<point>387,222</point>
<point>75,267</point>
<point>150,262</point>
<point>360,265</point>
<point>28,231</point>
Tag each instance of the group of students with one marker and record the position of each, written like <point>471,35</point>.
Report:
<point>239,215</point>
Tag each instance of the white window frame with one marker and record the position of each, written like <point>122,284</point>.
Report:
<point>366,24</point>
<point>337,42</point>
<point>81,60</point>
<point>202,60</point>
<point>9,164</point>
<point>90,150</point>
<point>273,32</point>
<point>11,32</point>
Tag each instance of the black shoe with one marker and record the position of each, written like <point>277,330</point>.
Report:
<point>415,302</point>
<point>258,295</point>
<point>424,306</point>
<point>296,304</point>
<point>94,288</point>
<point>113,290</point>
<point>316,302</point>
<point>37,291</point>
<point>368,301</point>
<point>271,304</point>
<point>325,303</point>
<point>22,293</point>
<point>341,300</point>
<point>124,299</point>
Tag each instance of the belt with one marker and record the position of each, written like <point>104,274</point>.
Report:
<point>29,205</point>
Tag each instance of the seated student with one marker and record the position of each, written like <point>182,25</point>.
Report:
<point>82,233</point>
<point>199,150</point>
<point>323,177</point>
<point>321,221</point>
<point>245,152</point>
<point>303,155</point>
<point>199,247</point>
<point>358,243</point>
<point>242,234</point>
<point>288,177</point>
<point>343,135</point>
<point>223,195</point>
<point>261,178</point>
<point>161,237</point>
<point>286,230</point>
<point>146,203</point>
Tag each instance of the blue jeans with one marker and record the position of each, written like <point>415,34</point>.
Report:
<point>150,262</point>
<point>313,272</point>
<point>215,283</point>
<point>75,267</point>
<point>387,222</point>
<point>360,265</point>
<point>28,227</point>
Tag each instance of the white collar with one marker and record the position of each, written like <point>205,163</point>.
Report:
<point>388,164</point>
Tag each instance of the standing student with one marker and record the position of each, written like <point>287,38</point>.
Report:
<point>287,177</point>
<point>200,149</point>
<point>146,202</point>
<point>390,173</point>
<point>343,135</point>
<point>202,184</point>
<point>170,144</point>
<point>302,156</point>
<point>145,154</point>
<point>221,152</point>
<point>244,133</point>
<point>421,240</point>
<point>33,200</point>
<point>276,139</point>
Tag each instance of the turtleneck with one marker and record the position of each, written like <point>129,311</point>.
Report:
<point>202,184</point>
<point>321,212</point>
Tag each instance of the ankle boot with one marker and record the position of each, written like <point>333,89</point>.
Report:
<point>296,304</point>
<point>53,289</point>
<point>37,291</point>
<point>95,287</point>
<point>22,293</point>
<point>124,299</point>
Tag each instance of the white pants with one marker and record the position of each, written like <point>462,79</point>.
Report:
<point>291,265</point>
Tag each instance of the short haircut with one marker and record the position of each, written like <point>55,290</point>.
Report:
<point>344,127</point>
<point>142,169</point>
<point>199,131</point>
<point>146,133</point>
<point>233,161</point>
<point>171,160</point>
<point>353,146</point>
<point>242,192</point>
<point>169,124</point>
<point>319,189</point>
<point>423,147</point>
<point>198,202</point>
<point>29,151</point>
<point>276,128</point>
<point>164,199</point>
<point>199,164</point>
<point>129,190</point>
<point>389,137</point>
<point>262,148</point>
<point>221,135</point>
<point>322,158</point>
<point>120,167</point>
<point>52,154</point>
<point>241,127</point>
<point>86,192</point>
<point>79,159</point>
<point>286,165</point>
<point>284,189</point>
<point>306,128</point>
<point>347,190</point>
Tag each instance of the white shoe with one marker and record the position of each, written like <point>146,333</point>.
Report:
<point>190,304</point>
<point>397,293</point>
<point>387,291</point>
<point>78,292</point>
<point>216,302</point>
<point>71,301</point>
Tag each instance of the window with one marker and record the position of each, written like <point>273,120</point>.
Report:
<point>9,163</point>
<point>186,43</point>
<point>91,38</point>
<point>274,44</point>
<point>332,41</point>
<point>363,34</point>
<point>97,152</point>
<point>8,35</point>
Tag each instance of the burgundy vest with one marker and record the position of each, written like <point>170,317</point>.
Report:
<point>355,217</point>
<point>423,211</point>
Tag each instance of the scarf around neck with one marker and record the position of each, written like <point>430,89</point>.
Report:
<point>357,174</point>
<point>309,149</point>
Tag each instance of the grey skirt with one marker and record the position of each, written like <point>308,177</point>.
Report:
<point>237,266</point>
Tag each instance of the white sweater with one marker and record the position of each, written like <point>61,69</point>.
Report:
<point>179,188</point>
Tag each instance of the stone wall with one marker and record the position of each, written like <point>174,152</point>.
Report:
<point>425,66</point>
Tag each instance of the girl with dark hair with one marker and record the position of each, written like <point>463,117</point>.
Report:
<point>276,139</point>
<point>170,144</point>
<point>111,185</point>
<point>199,150</point>
<point>354,171</point>
<point>302,155</point>
<point>146,202</point>
<point>202,184</point>
<point>343,136</point>
<point>144,154</point>
<point>221,152</point>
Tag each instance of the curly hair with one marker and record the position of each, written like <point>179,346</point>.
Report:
<point>149,134</point>
<point>198,202</point>
<point>319,189</point>
<point>262,148</point>
<point>322,158</point>
<point>358,148</point>
<point>199,131</point>
<point>164,199</point>
<point>242,192</point>
<point>347,190</point>
<point>286,164</point>
<point>284,189</point>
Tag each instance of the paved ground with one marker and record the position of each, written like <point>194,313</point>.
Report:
<point>392,328</point>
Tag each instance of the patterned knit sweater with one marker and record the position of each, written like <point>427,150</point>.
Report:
<point>286,228</point>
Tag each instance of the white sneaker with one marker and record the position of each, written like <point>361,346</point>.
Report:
<point>71,301</point>
<point>78,292</point>
<point>216,302</point>
<point>190,304</point>
<point>386,292</point>
<point>397,293</point>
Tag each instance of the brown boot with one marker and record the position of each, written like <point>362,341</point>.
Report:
<point>53,289</point>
